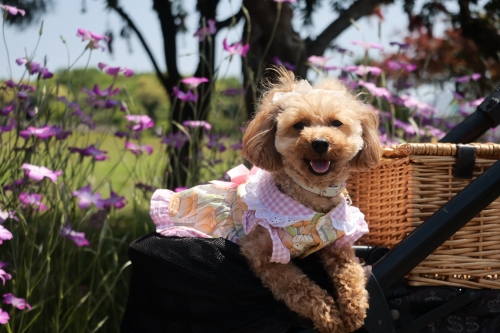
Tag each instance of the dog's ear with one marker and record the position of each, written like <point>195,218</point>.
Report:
<point>369,156</point>
<point>258,142</point>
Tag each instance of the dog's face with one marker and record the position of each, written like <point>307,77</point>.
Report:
<point>314,134</point>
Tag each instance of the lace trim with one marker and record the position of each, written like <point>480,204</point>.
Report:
<point>160,209</point>
<point>344,217</point>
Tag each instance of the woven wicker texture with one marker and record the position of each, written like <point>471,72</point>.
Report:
<point>412,182</point>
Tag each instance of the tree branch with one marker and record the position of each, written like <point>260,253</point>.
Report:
<point>131,24</point>
<point>358,9</point>
<point>230,20</point>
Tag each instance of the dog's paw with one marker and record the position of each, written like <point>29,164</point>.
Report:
<point>328,319</point>
<point>354,312</point>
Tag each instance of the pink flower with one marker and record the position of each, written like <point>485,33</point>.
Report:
<point>99,155</point>
<point>33,200</point>
<point>7,215</point>
<point>476,102</point>
<point>203,32</point>
<point>4,276</point>
<point>35,67</point>
<point>37,173</point>
<point>77,237</point>
<point>193,81</point>
<point>4,234</point>
<point>115,200</point>
<point>4,317</point>
<point>236,48</point>
<point>411,102</point>
<point>96,91</point>
<point>318,61</point>
<point>86,198</point>
<point>138,149</point>
<point>397,65</point>
<point>376,91</point>
<point>368,46</point>
<point>186,97</point>
<point>196,124</point>
<point>13,10</point>
<point>435,132</point>
<point>45,132</point>
<point>113,71</point>
<point>467,78</point>
<point>363,70</point>
<point>92,37</point>
<point>86,119</point>
<point>141,122</point>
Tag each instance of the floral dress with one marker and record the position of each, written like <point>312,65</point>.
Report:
<point>233,209</point>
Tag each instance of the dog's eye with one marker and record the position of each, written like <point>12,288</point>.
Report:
<point>299,126</point>
<point>336,123</point>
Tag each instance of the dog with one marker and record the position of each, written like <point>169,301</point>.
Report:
<point>303,141</point>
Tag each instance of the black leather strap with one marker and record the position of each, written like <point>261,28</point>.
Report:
<point>466,159</point>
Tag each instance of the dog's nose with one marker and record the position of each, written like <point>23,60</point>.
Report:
<point>320,145</point>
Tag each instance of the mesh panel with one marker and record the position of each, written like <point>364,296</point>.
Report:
<point>204,285</point>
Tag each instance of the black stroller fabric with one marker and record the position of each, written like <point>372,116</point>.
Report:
<point>204,285</point>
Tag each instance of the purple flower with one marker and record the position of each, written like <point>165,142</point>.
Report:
<point>97,218</point>
<point>86,198</point>
<point>14,185</point>
<point>234,91</point>
<point>99,155</point>
<point>194,82</point>
<point>19,303</point>
<point>318,61</point>
<point>4,234</point>
<point>476,102</point>
<point>368,46</point>
<point>363,70</point>
<point>6,110</point>
<point>186,97</point>
<point>141,122</point>
<point>213,142</point>
<point>4,317</point>
<point>21,86</point>
<point>115,200</point>
<point>176,140</point>
<point>35,68</point>
<point>397,65</point>
<point>13,10</point>
<point>96,91</point>
<point>203,32</point>
<point>406,127</point>
<point>113,71</point>
<point>7,215</point>
<point>92,37</point>
<point>236,48</point>
<point>197,124</point>
<point>38,173</point>
<point>86,119</point>
<point>11,123</point>
<point>457,95</point>
<point>33,200</point>
<point>411,102</point>
<point>145,187</point>
<point>138,149</point>
<point>285,64</point>
<point>402,46</point>
<point>376,91</point>
<point>435,132</point>
<point>236,146</point>
<point>77,237</point>
<point>467,78</point>
<point>4,276</point>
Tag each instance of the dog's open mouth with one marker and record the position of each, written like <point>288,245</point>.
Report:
<point>318,167</point>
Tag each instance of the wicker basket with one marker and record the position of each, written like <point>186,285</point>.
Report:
<point>412,182</point>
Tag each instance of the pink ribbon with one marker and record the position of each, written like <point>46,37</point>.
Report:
<point>238,175</point>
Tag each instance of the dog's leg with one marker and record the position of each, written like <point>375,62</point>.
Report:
<point>290,285</point>
<point>349,279</point>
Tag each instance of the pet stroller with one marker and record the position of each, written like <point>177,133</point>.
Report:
<point>205,285</point>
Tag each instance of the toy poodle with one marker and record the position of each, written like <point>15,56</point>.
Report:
<point>303,141</point>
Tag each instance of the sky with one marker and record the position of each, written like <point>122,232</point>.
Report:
<point>66,17</point>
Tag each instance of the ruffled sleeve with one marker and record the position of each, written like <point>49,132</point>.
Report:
<point>160,209</point>
<point>357,228</point>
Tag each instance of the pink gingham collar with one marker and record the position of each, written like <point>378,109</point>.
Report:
<point>280,210</point>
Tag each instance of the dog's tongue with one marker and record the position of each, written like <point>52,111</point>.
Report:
<point>320,166</point>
